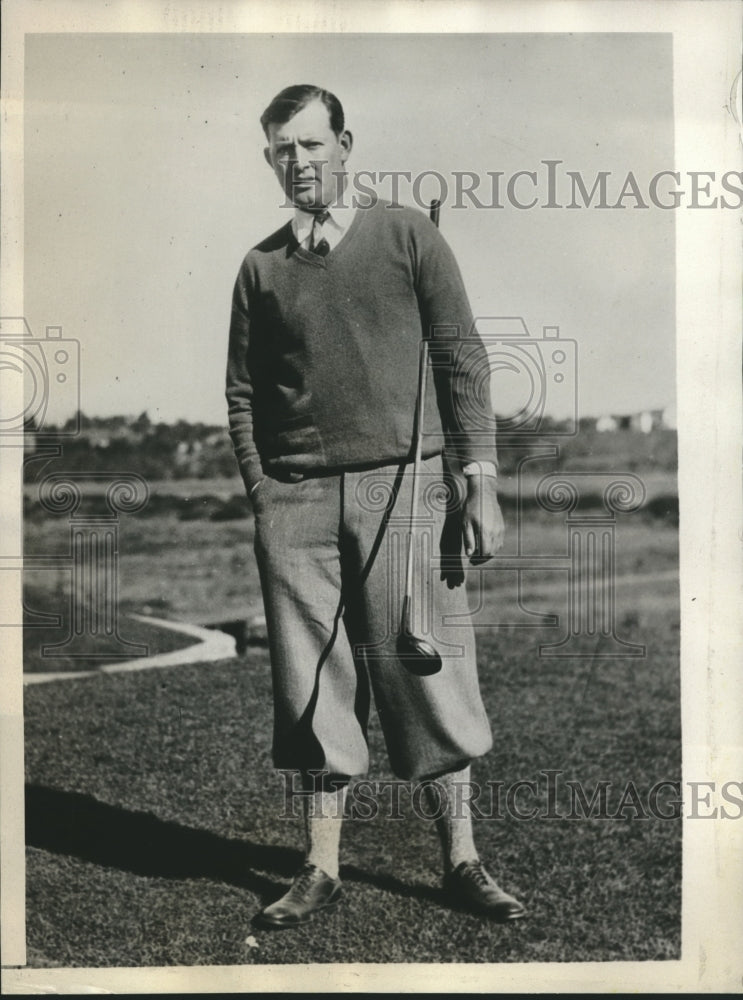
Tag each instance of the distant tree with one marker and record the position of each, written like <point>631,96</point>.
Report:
<point>78,421</point>
<point>112,423</point>
<point>183,430</point>
<point>142,424</point>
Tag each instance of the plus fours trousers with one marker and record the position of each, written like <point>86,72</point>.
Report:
<point>331,551</point>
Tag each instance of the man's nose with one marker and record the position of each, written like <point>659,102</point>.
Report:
<point>301,158</point>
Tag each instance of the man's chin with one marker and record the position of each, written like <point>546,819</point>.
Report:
<point>306,198</point>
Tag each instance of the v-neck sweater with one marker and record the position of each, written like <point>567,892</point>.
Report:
<point>323,353</point>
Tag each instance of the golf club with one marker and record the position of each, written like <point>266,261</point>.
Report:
<point>417,655</point>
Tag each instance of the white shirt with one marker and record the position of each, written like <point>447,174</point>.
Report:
<point>333,229</point>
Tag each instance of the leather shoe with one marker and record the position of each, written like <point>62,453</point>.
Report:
<point>470,886</point>
<point>311,891</point>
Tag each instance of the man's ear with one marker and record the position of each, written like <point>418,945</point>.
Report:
<point>267,156</point>
<point>346,141</point>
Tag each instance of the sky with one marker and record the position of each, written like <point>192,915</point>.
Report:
<point>145,185</point>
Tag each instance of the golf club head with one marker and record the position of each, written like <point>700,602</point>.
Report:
<point>417,656</point>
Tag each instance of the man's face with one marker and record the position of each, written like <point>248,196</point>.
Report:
<point>307,157</point>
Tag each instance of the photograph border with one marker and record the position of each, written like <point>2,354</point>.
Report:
<point>708,136</point>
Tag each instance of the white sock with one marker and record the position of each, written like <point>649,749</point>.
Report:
<point>455,824</point>
<point>323,815</point>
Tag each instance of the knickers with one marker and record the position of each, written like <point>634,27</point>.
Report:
<point>331,551</point>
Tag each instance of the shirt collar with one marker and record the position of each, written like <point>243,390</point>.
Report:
<point>340,217</point>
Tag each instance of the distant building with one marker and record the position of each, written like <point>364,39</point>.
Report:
<point>606,423</point>
<point>644,421</point>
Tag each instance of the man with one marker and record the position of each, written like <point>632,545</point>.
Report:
<point>327,320</point>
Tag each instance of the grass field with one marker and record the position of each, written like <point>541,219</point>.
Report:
<point>202,570</point>
<point>46,649</point>
<point>157,826</point>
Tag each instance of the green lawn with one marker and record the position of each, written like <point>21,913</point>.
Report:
<point>47,649</point>
<point>203,571</point>
<point>156,824</point>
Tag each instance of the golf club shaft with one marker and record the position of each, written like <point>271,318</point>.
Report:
<point>419,413</point>
<point>434,210</point>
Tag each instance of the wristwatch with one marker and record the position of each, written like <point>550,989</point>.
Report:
<point>480,468</point>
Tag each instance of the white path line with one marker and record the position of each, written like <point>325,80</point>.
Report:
<point>213,645</point>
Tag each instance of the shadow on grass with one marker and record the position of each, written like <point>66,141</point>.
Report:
<point>78,825</point>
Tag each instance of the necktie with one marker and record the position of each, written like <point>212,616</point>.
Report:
<point>321,247</point>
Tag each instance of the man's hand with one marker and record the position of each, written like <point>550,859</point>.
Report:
<point>483,529</point>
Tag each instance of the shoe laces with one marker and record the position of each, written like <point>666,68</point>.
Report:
<point>303,879</point>
<point>476,871</point>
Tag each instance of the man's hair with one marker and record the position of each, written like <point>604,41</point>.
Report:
<point>291,100</point>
